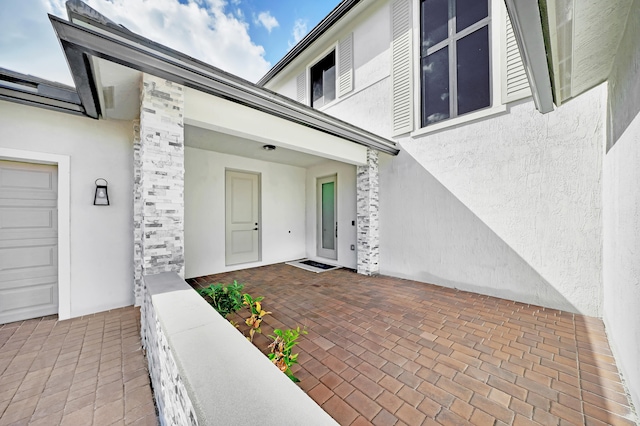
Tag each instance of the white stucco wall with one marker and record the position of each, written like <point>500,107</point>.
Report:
<point>101,238</point>
<point>534,182</point>
<point>621,216</point>
<point>282,211</point>
<point>347,203</point>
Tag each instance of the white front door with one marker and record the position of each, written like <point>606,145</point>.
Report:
<point>28,241</point>
<point>242,217</point>
<point>327,217</point>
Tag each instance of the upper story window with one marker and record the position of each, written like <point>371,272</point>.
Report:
<point>323,81</point>
<point>454,58</point>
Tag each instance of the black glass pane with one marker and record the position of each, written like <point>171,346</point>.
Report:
<point>468,12</point>
<point>473,71</point>
<point>323,85</point>
<point>435,17</point>
<point>435,87</point>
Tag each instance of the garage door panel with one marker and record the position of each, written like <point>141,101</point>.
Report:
<point>28,241</point>
<point>27,257</point>
<point>7,243</point>
<point>28,298</point>
<point>26,176</point>
<point>24,274</point>
<point>24,219</point>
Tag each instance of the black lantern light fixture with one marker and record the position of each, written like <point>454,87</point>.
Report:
<point>102,197</point>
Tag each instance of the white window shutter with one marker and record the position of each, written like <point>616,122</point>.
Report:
<point>401,75</point>
<point>345,65</point>
<point>515,84</point>
<point>301,82</point>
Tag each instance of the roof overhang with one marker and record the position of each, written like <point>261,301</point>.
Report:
<point>123,47</point>
<point>33,91</point>
<point>527,28</point>
<point>568,46</point>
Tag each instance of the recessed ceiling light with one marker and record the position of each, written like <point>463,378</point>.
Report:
<point>269,147</point>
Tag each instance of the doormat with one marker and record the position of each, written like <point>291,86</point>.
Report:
<point>313,266</point>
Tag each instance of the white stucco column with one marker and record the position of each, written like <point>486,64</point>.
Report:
<point>158,181</point>
<point>368,217</point>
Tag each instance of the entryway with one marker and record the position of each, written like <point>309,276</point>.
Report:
<point>242,206</point>
<point>28,241</point>
<point>327,217</point>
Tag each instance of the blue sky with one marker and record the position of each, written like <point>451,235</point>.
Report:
<point>245,37</point>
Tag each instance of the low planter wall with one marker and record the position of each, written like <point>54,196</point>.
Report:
<point>204,372</point>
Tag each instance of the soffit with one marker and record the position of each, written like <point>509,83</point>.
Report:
<point>584,39</point>
<point>118,89</point>
<point>198,137</point>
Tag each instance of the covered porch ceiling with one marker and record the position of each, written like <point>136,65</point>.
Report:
<point>224,126</point>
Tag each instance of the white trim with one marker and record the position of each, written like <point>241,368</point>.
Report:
<point>476,115</point>
<point>64,241</point>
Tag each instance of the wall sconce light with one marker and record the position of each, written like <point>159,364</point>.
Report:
<point>102,197</point>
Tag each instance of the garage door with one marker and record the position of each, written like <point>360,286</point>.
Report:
<point>28,241</point>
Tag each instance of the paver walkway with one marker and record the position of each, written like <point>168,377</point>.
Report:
<point>388,351</point>
<point>83,371</point>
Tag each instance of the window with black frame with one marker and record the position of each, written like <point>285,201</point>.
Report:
<point>323,81</point>
<point>454,58</point>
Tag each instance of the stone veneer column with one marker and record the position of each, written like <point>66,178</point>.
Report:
<point>368,219</point>
<point>158,181</point>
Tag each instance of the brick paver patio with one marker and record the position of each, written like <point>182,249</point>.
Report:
<point>387,351</point>
<point>83,371</point>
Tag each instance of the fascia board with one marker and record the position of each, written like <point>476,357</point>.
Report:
<point>32,99</point>
<point>527,28</point>
<point>138,55</point>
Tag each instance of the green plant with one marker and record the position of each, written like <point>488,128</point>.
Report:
<point>281,347</point>
<point>257,313</point>
<point>224,298</point>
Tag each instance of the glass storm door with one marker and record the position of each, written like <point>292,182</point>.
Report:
<point>327,218</point>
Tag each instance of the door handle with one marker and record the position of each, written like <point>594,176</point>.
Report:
<point>255,229</point>
<point>336,229</point>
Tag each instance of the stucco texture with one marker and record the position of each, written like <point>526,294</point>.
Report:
<point>101,238</point>
<point>509,206</point>
<point>282,211</point>
<point>621,216</point>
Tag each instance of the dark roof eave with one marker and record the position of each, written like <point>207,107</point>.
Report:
<point>80,43</point>
<point>40,102</point>
<point>34,91</point>
<point>334,16</point>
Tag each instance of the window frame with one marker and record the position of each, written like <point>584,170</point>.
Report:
<point>451,43</point>
<point>497,14</point>
<point>333,48</point>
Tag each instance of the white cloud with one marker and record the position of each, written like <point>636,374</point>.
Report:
<point>266,20</point>
<point>298,32</point>
<point>27,42</point>
<point>201,28</point>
